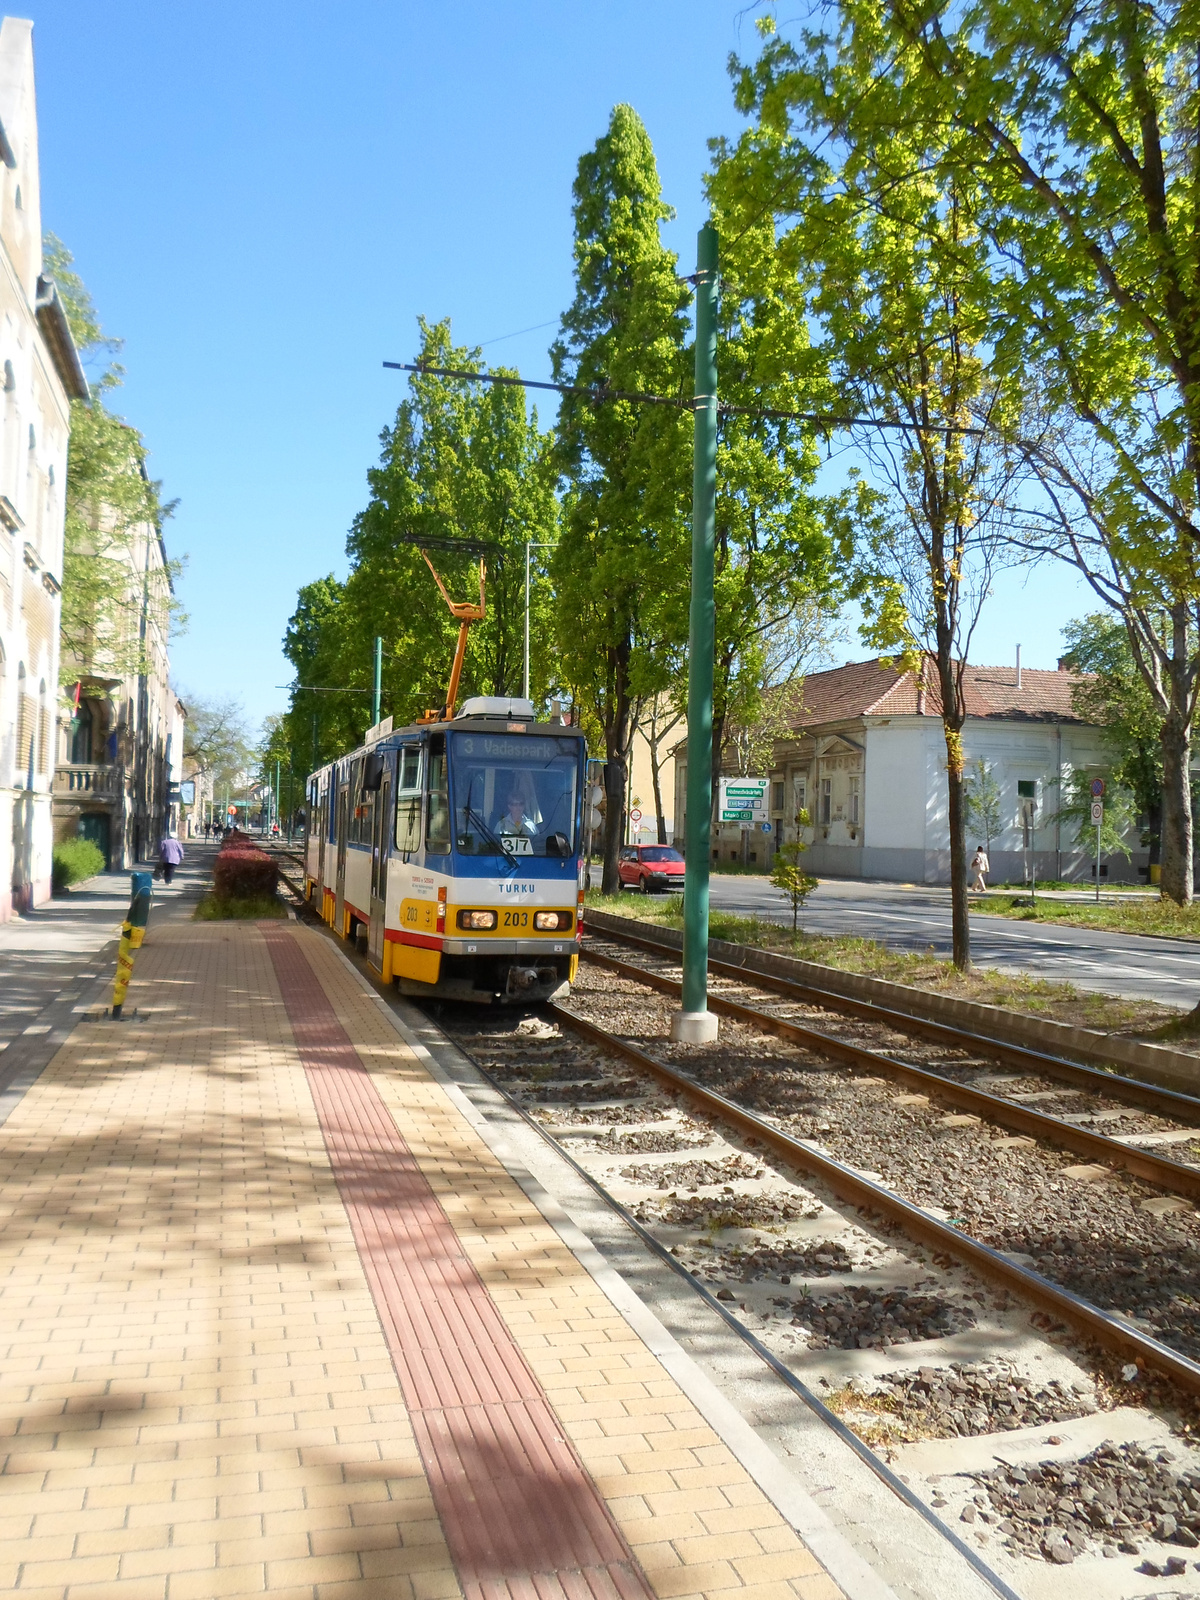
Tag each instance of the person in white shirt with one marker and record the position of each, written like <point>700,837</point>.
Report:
<point>979,866</point>
<point>514,822</point>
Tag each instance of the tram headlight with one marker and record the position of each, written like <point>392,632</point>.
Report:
<point>477,919</point>
<point>551,921</point>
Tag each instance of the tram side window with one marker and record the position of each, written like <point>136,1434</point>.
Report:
<point>437,824</point>
<point>408,800</point>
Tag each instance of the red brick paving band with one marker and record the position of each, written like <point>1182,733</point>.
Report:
<point>521,1515</point>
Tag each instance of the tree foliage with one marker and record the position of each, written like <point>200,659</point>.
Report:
<point>216,737</point>
<point>113,596</point>
<point>982,801</point>
<point>618,568</point>
<point>1071,133</point>
<point>1113,694</point>
<point>891,274</point>
<point>462,461</point>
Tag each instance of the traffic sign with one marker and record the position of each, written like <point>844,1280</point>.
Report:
<point>1097,812</point>
<point>744,799</point>
<point>635,816</point>
<point>1098,789</point>
<point>766,827</point>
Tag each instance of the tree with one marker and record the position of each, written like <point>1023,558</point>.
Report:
<point>217,739</point>
<point>1114,695</point>
<point>1155,626</point>
<point>1120,813</point>
<point>786,872</point>
<point>111,600</point>
<point>462,461</point>
<point>1075,129</point>
<point>892,274</point>
<point>625,330</point>
<point>982,801</point>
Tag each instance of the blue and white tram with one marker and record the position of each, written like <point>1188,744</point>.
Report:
<point>450,852</point>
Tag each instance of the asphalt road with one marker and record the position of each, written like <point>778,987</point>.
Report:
<point>1166,970</point>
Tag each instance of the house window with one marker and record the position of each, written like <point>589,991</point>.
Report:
<point>1027,788</point>
<point>826,800</point>
<point>854,791</point>
<point>777,797</point>
<point>800,791</point>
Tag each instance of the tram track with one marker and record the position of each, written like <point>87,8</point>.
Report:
<point>728,1190</point>
<point>1172,1176</point>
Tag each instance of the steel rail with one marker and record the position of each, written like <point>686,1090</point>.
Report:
<point>874,1462</point>
<point>1169,1102</point>
<point>1159,1170</point>
<point>1109,1330</point>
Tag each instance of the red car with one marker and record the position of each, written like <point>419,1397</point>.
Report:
<point>650,867</point>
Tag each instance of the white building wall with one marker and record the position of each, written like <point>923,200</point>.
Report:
<point>34,427</point>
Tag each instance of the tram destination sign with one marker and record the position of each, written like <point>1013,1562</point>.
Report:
<point>744,799</point>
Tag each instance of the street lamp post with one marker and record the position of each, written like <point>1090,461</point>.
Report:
<point>529,545</point>
<point>695,1023</point>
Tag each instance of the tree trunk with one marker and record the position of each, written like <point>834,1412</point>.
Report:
<point>656,781</point>
<point>618,709</point>
<point>959,912</point>
<point>1176,873</point>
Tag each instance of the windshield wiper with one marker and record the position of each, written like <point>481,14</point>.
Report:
<point>491,838</point>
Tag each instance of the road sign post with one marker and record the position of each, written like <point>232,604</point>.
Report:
<point>1098,823</point>
<point>695,1024</point>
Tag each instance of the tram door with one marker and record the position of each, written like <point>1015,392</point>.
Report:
<point>343,817</point>
<point>319,818</point>
<point>379,864</point>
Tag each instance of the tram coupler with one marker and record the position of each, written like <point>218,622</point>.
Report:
<point>133,932</point>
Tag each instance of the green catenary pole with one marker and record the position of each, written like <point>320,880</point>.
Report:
<point>695,1023</point>
<point>376,699</point>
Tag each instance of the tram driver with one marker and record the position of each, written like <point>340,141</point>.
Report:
<point>515,822</point>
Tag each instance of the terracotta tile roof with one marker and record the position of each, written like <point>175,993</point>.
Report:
<point>875,689</point>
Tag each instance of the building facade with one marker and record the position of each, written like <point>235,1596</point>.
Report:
<point>120,741</point>
<point>40,375</point>
<point>867,761</point>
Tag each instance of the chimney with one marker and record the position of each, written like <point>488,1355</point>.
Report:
<point>1062,664</point>
<point>1018,666</point>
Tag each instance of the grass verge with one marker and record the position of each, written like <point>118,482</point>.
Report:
<point>227,908</point>
<point>1057,1002</point>
<point>1151,915</point>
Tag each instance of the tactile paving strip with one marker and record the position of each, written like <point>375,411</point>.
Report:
<point>521,1515</point>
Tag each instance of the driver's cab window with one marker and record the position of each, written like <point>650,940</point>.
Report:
<point>628,855</point>
<point>437,823</point>
<point>408,799</point>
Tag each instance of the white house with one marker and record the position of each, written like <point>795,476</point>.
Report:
<point>868,763</point>
<point>40,374</point>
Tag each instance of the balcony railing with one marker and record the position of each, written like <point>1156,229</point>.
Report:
<point>84,779</point>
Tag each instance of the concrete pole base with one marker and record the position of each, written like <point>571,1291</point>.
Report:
<point>693,1027</point>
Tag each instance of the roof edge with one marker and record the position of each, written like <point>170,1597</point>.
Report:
<point>56,331</point>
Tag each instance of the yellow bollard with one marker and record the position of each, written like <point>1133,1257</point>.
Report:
<point>133,931</point>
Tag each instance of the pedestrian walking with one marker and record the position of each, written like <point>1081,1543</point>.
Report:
<point>170,853</point>
<point>979,866</point>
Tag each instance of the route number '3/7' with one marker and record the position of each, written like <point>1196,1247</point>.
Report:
<point>516,919</point>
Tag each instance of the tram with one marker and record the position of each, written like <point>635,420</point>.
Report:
<point>449,851</point>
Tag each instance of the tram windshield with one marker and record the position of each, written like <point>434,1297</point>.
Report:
<point>515,794</point>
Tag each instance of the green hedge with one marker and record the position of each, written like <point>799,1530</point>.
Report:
<point>74,860</point>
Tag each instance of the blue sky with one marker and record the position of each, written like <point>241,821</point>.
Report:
<point>264,196</point>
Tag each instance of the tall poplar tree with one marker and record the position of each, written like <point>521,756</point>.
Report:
<point>625,329</point>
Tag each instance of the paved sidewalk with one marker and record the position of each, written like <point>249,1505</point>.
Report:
<point>60,944</point>
<point>257,1273</point>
